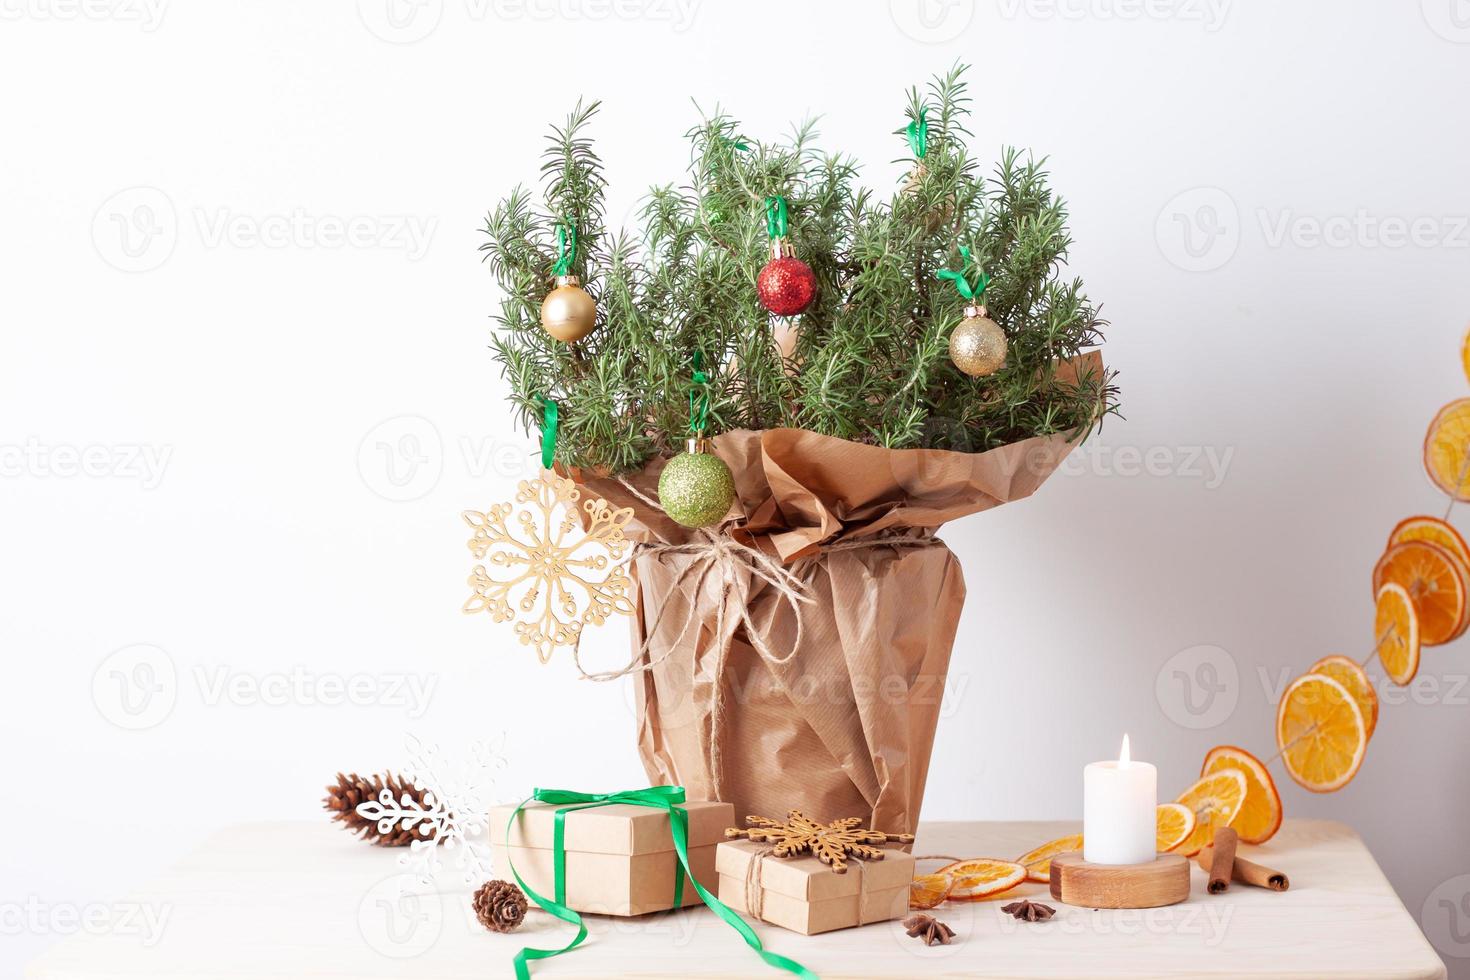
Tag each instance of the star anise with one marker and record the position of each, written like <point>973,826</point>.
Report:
<point>929,929</point>
<point>1028,911</point>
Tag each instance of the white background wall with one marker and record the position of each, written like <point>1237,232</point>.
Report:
<point>1241,174</point>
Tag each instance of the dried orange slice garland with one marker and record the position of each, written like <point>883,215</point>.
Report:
<point>1421,588</point>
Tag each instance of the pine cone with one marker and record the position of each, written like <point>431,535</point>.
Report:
<point>347,792</point>
<point>500,906</point>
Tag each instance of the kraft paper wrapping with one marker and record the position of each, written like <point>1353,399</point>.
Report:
<point>846,726</point>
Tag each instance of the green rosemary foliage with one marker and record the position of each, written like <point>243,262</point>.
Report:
<point>870,359</point>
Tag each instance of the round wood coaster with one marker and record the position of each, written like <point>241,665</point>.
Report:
<point>1163,881</point>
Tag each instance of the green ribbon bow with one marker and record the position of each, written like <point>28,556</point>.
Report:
<point>699,398</point>
<point>776,217</point>
<point>918,133</point>
<point>566,248</point>
<point>666,798</point>
<point>961,279</point>
<point>549,419</point>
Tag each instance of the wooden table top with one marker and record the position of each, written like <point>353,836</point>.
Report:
<point>307,900</point>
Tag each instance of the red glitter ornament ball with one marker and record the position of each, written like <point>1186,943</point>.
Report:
<point>786,286</point>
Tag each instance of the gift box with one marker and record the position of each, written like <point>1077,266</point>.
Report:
<point>620,857</point>
<point>806,896</point>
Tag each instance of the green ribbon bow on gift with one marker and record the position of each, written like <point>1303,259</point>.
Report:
<point>667,798</point>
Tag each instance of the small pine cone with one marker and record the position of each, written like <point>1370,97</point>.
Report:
<point>500,906</point>
<point>348,792</point>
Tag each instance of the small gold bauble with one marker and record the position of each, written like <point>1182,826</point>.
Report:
<point>978,345</point>
<point>568,312</point>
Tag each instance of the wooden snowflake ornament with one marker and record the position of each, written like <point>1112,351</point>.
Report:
<point>831,843</point>
<point>541,574</point>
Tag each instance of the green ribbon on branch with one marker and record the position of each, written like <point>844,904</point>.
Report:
<point>666,798</point>
<point>961,279</point>
<point>918,133</point>
<point>566,248</point>
<point>699,398</point>
<point>549,418</point>
<point>776,217</point>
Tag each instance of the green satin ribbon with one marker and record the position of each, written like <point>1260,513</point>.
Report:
<point>667,798</point>
<point>699,398</point>
<point>776,217</point>
<point>961,279</point>
<point>918,133</point>
<point>566,248</point>
<point>549,418</point>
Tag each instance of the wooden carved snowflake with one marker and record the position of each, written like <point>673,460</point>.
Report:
<point>830,842</point>
<point>551,581</point>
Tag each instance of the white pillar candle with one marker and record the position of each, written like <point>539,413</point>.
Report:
<point>1119,800</point>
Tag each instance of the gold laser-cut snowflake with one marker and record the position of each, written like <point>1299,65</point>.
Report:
<point>542,581</point>
<point>831,843</point>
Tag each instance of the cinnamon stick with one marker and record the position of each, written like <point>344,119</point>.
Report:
<point>1222,861</point>
<point>1247,872</point>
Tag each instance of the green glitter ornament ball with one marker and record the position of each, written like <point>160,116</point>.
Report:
<point>696,488</point>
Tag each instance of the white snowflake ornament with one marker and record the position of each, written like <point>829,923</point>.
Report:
<point>451,815</point>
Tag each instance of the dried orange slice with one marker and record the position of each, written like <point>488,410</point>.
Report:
<point>1214,800</point>
<point>1038,860</point>
<point>1435,581</point>
<point>1465,355</point>
<point>1173,823</point>
<point>1396,629</point>
<point>1422,527</point>
<point>927,891</point>
<point>1447,449</point>
<point>1321,734</point>
<point>1352,676</point>
<point>1260,816</point>
<point>979,878</point>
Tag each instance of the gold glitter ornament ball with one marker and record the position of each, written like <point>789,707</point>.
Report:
<point>978,345</point>
<point>568,312</point>
<point>696,488</point>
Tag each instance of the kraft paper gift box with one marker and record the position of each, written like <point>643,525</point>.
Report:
<point>620,858</point>
<point>806,896</point>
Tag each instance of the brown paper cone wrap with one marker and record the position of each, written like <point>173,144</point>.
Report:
<point>846,727</point>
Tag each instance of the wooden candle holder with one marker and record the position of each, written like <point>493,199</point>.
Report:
<point>1162,881</point>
